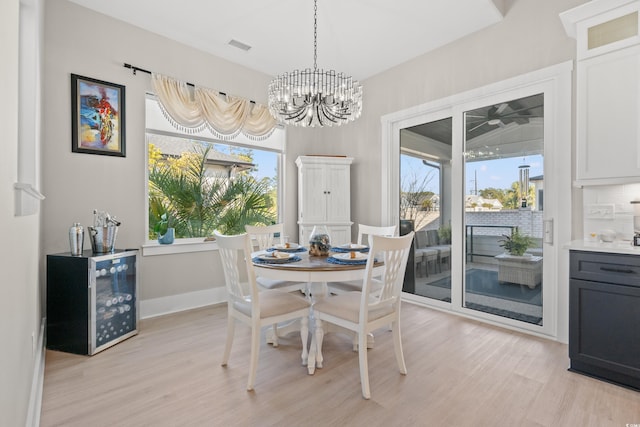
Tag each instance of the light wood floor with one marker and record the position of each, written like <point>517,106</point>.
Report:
<point>460,373</point>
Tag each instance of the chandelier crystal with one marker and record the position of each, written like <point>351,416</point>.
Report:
<point>315,97</point>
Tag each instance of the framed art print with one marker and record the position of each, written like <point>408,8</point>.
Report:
<point>97,117</point>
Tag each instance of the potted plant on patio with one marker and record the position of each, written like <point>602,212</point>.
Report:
<point>516,244</point>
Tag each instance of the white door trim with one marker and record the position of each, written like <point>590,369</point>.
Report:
<point>555,83</point>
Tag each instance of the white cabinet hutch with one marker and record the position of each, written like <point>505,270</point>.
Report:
<point>608,90</point>
<point>324,197</point>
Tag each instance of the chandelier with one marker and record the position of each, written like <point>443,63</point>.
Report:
<point>315,97</point>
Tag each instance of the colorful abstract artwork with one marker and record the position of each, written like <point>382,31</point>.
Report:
<point>97,116</point>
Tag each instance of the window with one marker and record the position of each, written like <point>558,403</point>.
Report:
<point>203,184</point>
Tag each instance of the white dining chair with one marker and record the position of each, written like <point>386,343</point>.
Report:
<point>252,306</point>
<point>265,237</point>
<point>372,230</point>
<point>364,312</point>
<point>363,230</point>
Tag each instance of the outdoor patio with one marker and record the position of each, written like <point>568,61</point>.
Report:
<point>486,293</point>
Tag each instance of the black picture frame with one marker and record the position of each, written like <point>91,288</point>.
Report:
<point>97,117</point>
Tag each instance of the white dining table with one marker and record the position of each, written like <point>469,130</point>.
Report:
<point>316,271</point>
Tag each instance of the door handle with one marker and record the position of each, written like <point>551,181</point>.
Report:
<point>547,227</point>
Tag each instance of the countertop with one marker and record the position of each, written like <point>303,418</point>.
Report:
<point>617,247</point>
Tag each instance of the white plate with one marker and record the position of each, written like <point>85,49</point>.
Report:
<point>354,246</point>
<point>292,246</point>
<point>359,256</point>
<point>271,258</point>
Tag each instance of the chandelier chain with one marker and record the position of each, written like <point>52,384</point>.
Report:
<point>315,34</point>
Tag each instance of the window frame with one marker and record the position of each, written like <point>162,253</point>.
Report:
<point>156,123</point>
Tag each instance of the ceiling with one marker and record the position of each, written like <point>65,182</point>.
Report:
<point>358,37</point>
<point>519,111</point>
<point>486,119</point>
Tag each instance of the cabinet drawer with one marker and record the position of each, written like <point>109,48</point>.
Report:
<point>618,269</point>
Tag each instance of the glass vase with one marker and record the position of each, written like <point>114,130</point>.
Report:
<point>168,237</point>
<point>319,241</point>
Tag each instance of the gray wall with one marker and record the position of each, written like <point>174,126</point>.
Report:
<point>75,183</point>
<point>529,38</point>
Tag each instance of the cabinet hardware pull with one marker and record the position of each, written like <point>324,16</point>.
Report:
<point>617,270</point>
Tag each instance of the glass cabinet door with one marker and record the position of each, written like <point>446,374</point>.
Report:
<point>113,308</point>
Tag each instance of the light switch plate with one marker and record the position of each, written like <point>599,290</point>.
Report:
<point>600,211</point>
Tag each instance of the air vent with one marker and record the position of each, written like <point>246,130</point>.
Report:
<point>239,45</point>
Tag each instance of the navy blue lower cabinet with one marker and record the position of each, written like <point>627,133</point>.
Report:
<point>604,316</point>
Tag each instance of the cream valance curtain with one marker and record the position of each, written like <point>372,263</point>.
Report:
<point>193,110</point>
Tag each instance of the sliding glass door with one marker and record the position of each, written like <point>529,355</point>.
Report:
<point>425,204</point>
<point>476,175</point>
<point>503,209</point>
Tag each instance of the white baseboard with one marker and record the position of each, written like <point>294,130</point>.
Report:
<point>35,397</point>
<point>175,303</point>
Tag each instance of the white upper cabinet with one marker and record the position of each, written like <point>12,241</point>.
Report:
<point>608,90</point>
<point>608,116</point>
<point>324,196</point>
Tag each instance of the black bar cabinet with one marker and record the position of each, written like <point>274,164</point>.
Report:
<point>92,300</point>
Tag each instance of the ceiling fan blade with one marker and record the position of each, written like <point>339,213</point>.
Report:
<point>519,117</point>
<point>476,127</point>
<point>501,108</point>
<point>480,119</point>
<point>520,110</point>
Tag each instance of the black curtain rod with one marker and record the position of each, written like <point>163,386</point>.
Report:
<point>135,69</point>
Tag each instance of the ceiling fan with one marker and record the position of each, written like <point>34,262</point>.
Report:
<point>496,114</point>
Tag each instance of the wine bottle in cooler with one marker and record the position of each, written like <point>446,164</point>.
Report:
<point>106,300</point>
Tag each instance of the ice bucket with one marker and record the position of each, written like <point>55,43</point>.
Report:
<point>103,239</point>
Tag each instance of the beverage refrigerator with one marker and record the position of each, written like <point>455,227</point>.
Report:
<point>92,300</point>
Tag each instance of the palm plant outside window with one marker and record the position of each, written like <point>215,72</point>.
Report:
<point>205,186</point>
